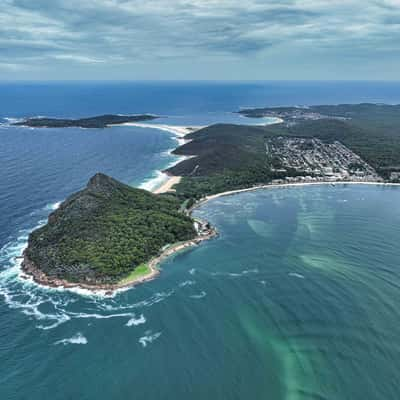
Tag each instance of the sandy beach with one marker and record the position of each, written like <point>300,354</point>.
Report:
<point>287,185</point>
<point>180,132</point>
<point>168,185</point>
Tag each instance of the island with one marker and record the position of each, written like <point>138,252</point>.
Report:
<point>109,235</point>
<point>101,121</point>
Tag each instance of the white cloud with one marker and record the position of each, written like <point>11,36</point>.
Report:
<point>77,58</point>
<point>132,31</point>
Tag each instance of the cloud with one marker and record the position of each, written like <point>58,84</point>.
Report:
<point>118,32</point>
<point>77,58</point>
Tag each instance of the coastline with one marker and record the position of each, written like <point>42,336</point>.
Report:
<point>30,271</point>
<point>165,182</point>
<point>286,185</point>
<point>168,185</point>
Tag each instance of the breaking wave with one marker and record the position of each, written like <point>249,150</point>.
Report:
<point>296,275</point>
<point>199,296</point>
<point>76,339</point>
<point>136,321</point>
<point>187,283</point>
<point>149,337</point>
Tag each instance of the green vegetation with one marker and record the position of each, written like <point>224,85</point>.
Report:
<point>101,121</point>
<point>106,231</point>
<point>109,231</point>
<point>227,157</point>
<point>140,271</point>
<point>370,130</point>
<point>378,145</point>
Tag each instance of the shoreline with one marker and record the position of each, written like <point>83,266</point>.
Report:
<point>168,185</point>
<point>286,185</point>
<point>30,271</point>
<point>179,132</point>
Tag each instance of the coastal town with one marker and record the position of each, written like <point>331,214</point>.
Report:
<point>310,159</point>
<point>289,115</point>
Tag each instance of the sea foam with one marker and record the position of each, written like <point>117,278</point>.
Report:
<point>296,275</point>
<point>76,339</point>
<point>199,296</point>
<point>149,337</point>
<point>136,321</point>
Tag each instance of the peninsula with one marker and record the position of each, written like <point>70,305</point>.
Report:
<point>101,121</point>
<point>107,236</point>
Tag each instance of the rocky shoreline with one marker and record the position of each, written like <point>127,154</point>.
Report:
<point>31,271</point>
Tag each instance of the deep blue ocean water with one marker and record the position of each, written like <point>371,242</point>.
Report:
<point>297,298</point>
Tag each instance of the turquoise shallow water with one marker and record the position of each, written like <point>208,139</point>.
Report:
<point>296,299</point>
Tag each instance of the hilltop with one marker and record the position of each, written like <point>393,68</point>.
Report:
<point>104,233</point>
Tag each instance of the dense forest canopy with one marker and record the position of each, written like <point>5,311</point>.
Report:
<point>103,232</point>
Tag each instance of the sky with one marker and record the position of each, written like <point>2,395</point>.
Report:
<point>200,39</point>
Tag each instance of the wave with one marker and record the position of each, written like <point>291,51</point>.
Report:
<point>47,306</point>
<point>149,337</point>
<point>157,179</point>
<point>9,121</point>
<point>99,316</point>
<point>76,339</point>
<point>53,206</point>
<point>156,298</point>
<point>199,296</point>
<point>236,274</point>
<point>136,321</point>
<point>296,275</point>
<point>187,283</point>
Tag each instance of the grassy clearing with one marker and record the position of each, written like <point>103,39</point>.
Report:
<point>140,271</point>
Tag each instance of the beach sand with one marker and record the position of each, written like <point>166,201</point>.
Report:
<point>167,186</point>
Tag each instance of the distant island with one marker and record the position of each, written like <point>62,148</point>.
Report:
<point>110,235</point>
<point>101,121</point>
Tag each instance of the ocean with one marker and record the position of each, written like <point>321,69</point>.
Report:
<point>296,299</point>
